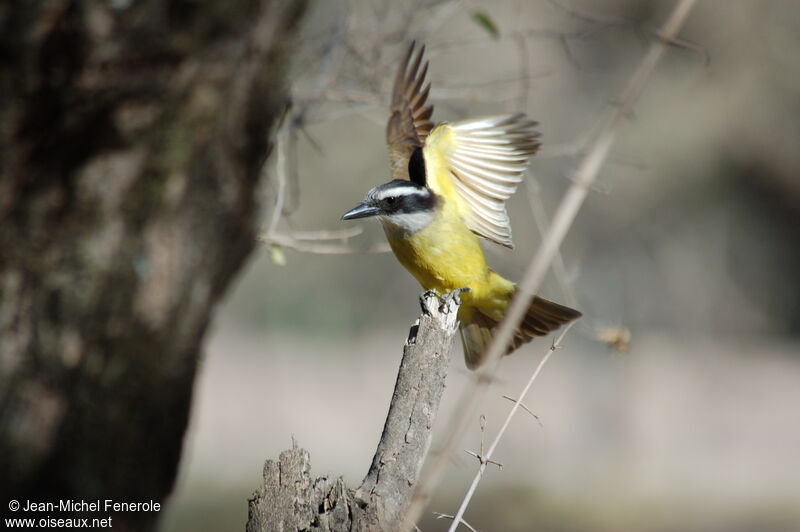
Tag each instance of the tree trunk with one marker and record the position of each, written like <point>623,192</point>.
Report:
<point>132,136</point>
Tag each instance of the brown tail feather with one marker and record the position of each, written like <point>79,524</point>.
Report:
<point>543,317</point>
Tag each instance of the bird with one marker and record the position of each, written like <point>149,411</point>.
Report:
<point>449,186</point>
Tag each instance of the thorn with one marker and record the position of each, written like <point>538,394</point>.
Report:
<point>482,459</point>
<point>498,464</point>
<point>440,515</point>
<point>528,410</point>
<point>682,44</point>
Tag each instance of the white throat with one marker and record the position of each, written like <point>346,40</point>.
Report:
<point>407,223</point>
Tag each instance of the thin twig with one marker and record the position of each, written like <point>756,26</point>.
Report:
<point>540,264</point>
<point>307,246</point>
<point>281,176</point>
<point>586,16</point>
<point>442,14</point>
<point>524,67</point>
<point>517,404</point>
<point>542,223</point>
<point>305,240</point>
<point>533,33</point>
<point>328,234</point>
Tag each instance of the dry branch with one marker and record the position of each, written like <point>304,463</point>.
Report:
<point>290,499</point>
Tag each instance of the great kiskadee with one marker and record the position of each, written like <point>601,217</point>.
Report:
<point>450,184</point>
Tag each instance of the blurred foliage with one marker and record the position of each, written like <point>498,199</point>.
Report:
<point>483,20</point>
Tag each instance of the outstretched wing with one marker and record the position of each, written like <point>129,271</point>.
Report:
<point>409,118</point>
<point>478,164</point>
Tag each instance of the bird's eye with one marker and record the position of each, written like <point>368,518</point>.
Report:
<point>390,200</point>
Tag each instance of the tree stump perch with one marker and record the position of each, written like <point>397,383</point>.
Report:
<point>290,499</point>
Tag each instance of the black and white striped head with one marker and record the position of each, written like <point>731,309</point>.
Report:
<point>401,205</point>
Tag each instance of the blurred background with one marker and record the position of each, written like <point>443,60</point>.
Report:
<point>690,241</point>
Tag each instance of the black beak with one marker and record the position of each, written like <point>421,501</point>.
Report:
<point>361,210</point>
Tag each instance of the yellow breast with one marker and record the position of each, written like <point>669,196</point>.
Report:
<point>445,255</point>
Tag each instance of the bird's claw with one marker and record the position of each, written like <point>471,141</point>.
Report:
<point>443,300</point>
<point>430,293</point>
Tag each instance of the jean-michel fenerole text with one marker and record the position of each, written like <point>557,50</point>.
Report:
<point>98,505</point>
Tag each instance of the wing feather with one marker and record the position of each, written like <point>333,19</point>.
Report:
<point>409,118</point>
<point>479,164</point>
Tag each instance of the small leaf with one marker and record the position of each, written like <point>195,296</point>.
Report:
<point>276,254</point>
<point>483,20</point>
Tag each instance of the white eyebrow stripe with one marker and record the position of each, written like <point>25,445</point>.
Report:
<point>399,191</point>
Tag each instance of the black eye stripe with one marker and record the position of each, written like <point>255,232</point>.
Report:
<point>416,203</point>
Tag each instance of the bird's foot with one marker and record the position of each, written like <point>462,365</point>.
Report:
<point>431,298</point>
<point>454,296</point>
